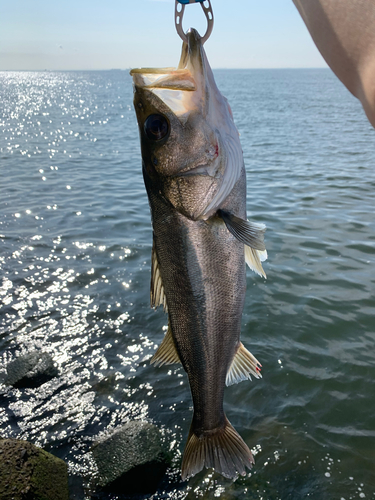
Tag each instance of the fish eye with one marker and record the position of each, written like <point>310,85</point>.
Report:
<point>156,127</point>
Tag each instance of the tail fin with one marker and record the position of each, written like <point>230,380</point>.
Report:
<point>223,449</point>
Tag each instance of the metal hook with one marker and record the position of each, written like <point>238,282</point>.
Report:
<point>179,14</point>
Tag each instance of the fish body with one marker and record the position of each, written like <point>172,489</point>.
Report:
<point>196,184</point>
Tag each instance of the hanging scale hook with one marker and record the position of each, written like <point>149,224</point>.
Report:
<point>179,14</point>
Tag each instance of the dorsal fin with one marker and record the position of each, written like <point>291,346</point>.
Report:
<point>249,233</point>
<point>166,353</point>
<point>254,258</point>
<point>243,364</point>
<point>157,294</point>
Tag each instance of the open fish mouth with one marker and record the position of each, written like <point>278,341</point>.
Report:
<point>180,78</point>
<point>183,88</point>
<point>164,78</point>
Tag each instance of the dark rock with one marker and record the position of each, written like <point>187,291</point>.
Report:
<point>30,473</point>
<point>31,370</point>
<point>133,460</point>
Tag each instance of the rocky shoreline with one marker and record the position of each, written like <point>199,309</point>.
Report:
<point>131,462</point>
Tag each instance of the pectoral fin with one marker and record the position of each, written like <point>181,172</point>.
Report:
<point>157,294</point>
<point>166,353</point>
<point>250,233</point>
<point>243,365</point>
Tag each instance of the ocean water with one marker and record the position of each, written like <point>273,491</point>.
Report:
<point>75,245</point>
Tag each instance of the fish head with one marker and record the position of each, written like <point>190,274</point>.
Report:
<point>190,144</point>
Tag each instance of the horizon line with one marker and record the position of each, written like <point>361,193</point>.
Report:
<point>129,68</point>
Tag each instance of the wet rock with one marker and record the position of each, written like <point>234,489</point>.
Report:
<point>31,370</point>
<point>30,473</point>
<point>133,460</point>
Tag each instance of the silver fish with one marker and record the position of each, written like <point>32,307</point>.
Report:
<point>195,180</point>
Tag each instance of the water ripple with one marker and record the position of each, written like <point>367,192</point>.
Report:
<point>75,244</point>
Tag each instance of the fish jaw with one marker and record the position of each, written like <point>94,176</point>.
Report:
<point>202,142</point>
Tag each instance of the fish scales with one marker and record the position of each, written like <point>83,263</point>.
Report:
<point>203,269</point>
<point>196,184</point>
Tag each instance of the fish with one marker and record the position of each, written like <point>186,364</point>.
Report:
<point>195,179</point>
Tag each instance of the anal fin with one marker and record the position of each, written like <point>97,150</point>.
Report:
<point>243,365</point>
<point>166,353</point>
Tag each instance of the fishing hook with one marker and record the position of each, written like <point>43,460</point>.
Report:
<point>178,15</point>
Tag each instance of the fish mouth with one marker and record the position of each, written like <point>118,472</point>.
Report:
<point>182,89</point>
<point>184,77</point>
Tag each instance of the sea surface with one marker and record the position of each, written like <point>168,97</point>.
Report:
<point>75,247</point>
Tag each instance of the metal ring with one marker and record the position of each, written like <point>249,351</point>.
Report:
<point>178,15</point>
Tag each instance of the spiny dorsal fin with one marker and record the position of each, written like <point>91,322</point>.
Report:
<point>222,449</point>
<point>166,353</point>
<point>250,233</point>
<point>243,364</point>
<point>254,258</point>
<point>157,294</point>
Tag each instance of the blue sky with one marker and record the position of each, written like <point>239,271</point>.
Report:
<point>94,34</point>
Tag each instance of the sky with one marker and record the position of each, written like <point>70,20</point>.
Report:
<point>114,34</point>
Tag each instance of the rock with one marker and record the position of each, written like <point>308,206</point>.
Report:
<point>31,370</point>
<point>30,473</point>
<point>133,460</point>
